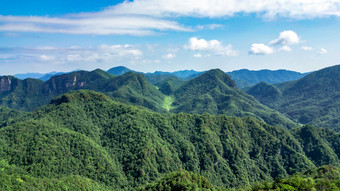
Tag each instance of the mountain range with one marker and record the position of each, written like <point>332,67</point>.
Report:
<point>94,130</point>
<point>213,92</point>
<point>30,93</point>
<point>244,78</point>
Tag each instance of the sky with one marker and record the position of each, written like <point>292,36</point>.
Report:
<point>42,36</point>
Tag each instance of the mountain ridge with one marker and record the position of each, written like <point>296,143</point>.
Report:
<point>243,77</point>
<point>313,99</point>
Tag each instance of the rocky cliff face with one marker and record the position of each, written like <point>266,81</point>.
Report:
<point>5,84</point>
<point>78,84</point>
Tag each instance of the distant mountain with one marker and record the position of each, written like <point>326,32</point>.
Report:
<point>119,70</point>
<point>83,140</point>
<point>186,73</point>
<point>178,74</point>
<point>158,77</point>
<point>243,78</point>
<point>313,99</point>
<point>43,77</point>
<point>49,75</point>
<point>215,92</point>
<point>246,78</point>
<point>29,75</point>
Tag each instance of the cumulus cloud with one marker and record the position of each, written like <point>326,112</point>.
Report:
<point>260,49</point>
<point>323,51</point>
<point>214,46</point>
<point>298,9</point>
<point>285,48</point>
<point>306,48</point>
<point>286,38</point>
<point>198,55</point>
<point>169,56</point>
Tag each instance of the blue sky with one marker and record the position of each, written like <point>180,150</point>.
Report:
<point>168,35</point>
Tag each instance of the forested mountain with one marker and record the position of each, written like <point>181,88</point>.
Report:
<point>99,143</point>
<point>21,94</point>
<point>243,78</point>
<point>30,93</point>
<point>216,93</point>
<point>213,92</point>
<point>119,70</point>
<point>313,99</point>
<point>310,100</point>
<point>246,78</point>
<point>170,85</point>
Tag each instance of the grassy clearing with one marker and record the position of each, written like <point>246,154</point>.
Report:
<point>167,104</point>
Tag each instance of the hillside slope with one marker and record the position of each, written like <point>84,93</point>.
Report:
<point>86,134</point>
<point>216,93</point>
<point>314,99</point>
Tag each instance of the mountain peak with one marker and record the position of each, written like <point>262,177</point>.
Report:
<point>217,74</point>
<point>119,70</point>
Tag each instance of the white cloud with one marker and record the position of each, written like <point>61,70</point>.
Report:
<point>119,50</point>
<point>285,48</point>
<point>214,46</point>
<point>169,56</point>
<point>198,55</point>
<point>260,49</point>
<point>323,51</point>
<point>209,26</point>
<point>46,58</point>
<point>306,48</point>
<point>97,24</point>
<point>298,9</point>
<point>286,38</point>
<point>148,17</point>
<point>82,55</point>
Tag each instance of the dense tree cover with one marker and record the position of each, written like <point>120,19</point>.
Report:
<point>15,178</point>
<point>216,93</point>
<point>325,178</point>
<point>89,137</point>
<point>180,180</point>
<point>170,85</point>
<point>313,99</point>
